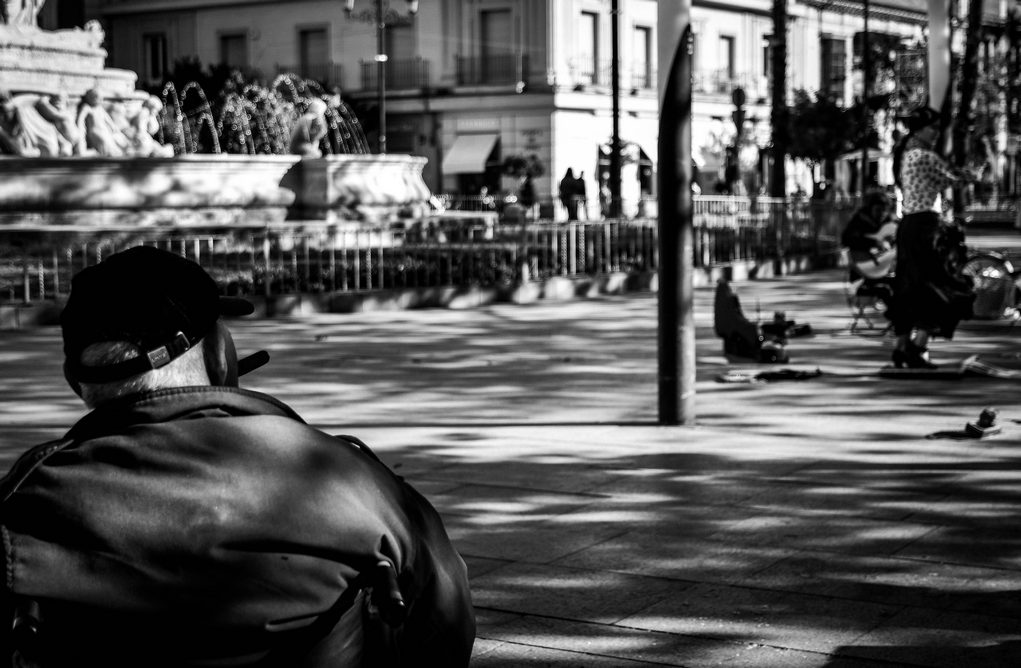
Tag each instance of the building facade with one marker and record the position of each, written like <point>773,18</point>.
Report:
<point>472,83</point>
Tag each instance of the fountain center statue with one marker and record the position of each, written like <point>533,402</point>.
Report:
<point>20,12</point>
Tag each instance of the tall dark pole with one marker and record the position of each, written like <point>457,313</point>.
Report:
<point>381,59</point>
<point>778,114</point>
<point>866,60</point>
<point>965,114</point>
<point>676,336</point>
<point>615,109</point>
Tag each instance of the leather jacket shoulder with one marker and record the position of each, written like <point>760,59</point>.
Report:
<point>218,515</point>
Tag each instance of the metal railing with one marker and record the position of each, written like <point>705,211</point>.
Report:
<point>461,251</point>
<point>722,82</point>
<point>401,73</point>
<point>587,73</point>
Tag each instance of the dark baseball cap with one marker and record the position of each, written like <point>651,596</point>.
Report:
<point>156,300</point>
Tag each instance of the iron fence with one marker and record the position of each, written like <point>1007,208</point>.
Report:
<point>38,264</point>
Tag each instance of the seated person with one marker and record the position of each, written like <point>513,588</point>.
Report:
<point>868,237</point>
<point>186,521</point>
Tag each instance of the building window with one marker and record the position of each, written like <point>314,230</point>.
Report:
<point>154,56</point>
<point>313,53</point>
<point>498,64</point>
<point>400,42</point>
<point>727,61</point>
<point>588,47</point>
<point>234,49</point>
<point>643,57</point>
<point>832,71</point>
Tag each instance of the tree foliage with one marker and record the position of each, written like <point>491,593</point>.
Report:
<point>819,129</point>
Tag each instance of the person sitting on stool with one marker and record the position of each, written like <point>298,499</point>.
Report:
<point>868,238</point>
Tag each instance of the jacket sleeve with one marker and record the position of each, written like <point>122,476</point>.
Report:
<point>439,627</point>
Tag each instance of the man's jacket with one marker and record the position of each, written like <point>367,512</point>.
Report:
<point>212,526</point>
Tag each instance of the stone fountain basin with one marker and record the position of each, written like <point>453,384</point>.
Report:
<point>209,190</point>
<point>85,183</point>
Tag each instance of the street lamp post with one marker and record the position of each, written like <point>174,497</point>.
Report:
<point>379,18</point>
<point>866,58</point>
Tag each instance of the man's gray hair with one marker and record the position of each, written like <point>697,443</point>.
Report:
<point>187,370</point>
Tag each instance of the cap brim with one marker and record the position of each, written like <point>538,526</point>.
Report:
<point>236,306</point>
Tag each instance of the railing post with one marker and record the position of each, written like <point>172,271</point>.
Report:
<point>26,284</point>
<point>523,257</point>
<point>357,263</point>
<point>56,274</point>
<point>267,292</point>
<point>333,261</point>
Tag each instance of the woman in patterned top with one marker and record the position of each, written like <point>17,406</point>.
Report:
<point>930,297</point>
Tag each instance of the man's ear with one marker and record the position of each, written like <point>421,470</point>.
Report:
<point>75,385</point>
<point>221,357</point>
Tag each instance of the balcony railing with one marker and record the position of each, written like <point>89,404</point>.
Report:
<point>402,73</point>
<point>643,80</point>
<point>330,74</point>
<point>508,68</point>
<point>585,74</point>
<point>722,82</point>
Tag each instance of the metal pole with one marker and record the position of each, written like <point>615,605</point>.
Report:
<point>615,204</point>
<point>966,116</point>
<point>778,114</point>
<point>865,67</point>
<point>381,59</point>
<point>676,335</point>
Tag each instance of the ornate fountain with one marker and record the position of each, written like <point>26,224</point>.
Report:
<point>80,146</point>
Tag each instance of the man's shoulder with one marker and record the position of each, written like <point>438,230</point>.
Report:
<point>26,463</point>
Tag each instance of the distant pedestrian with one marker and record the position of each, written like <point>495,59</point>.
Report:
<point>568,191</point>
<point>581,196</point>
<point>526,195</point>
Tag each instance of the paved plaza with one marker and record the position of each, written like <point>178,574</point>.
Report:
<point>837,521</point>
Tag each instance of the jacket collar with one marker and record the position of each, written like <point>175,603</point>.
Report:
<point>176,402</point>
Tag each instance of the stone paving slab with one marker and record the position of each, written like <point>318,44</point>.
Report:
<point>829,523</point>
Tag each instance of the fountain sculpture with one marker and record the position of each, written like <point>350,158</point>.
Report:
<point>84,147</point>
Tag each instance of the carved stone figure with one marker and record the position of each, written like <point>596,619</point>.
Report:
<point>143,125</point>
<point>94,30</point>
<point>55,111</point>
<point>20,12</point>
<point>309,129</point>
<point>14,139</point>
<point>101,132</point>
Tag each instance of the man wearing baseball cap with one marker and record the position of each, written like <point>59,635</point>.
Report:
<point>185,521</point>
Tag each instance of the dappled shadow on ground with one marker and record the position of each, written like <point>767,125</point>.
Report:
<point>707,551</point>
<point>801,523</point>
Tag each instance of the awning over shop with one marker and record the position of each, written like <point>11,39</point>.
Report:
<point>469,154</point>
